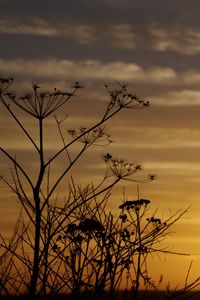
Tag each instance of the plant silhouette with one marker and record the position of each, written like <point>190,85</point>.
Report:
<point>79,247</point>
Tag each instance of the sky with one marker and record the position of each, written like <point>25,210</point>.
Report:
<point>152,46</point>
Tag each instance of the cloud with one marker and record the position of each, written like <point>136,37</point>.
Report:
<point>87,69</point>
<point>122,34</point>
<point>163,75</point>
<point>38,27</point>
<point>157,138</point>
<point>179,98</point>
<point>191,77</point>
<point>175,166</point>
<point>182,40</point>
<point>79,32</point>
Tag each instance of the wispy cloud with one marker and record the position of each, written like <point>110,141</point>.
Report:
<point>174,166</point>
<point>184,97</point>
<point>159,138</point>
<point>191,77</point>
<point>38,27</point>
<point>122,36</point>
<point>82,33</point>
<point>181,40</point>
<point>88,69</point>
<point>126,35</point>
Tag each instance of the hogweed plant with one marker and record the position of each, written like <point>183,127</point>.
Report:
<point>37,196</point>
<point>79,247</point>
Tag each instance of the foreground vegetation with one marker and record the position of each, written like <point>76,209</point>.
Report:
<point>78,248</point>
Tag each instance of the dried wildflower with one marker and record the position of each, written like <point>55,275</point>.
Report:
<point>120,168</point>
<point>154,220</point>
<point>96,136</point>
<point>90,225</point>
<point>130,204</point>
<point>120,97</point>
<point>39,104</point>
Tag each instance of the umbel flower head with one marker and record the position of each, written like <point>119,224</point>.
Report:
<point>90,225</point>
<point>119,167</point>
<point>122,169</point>
<point>120,97</point>
<point>96,136</point>
<point>40,104</point>
<point>131,204</point>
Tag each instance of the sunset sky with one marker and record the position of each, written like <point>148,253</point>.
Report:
<point>154,47</point>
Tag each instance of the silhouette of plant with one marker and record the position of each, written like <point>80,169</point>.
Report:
<point>35,198</point>
<point>99,249</point>
<point>79,247</point>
